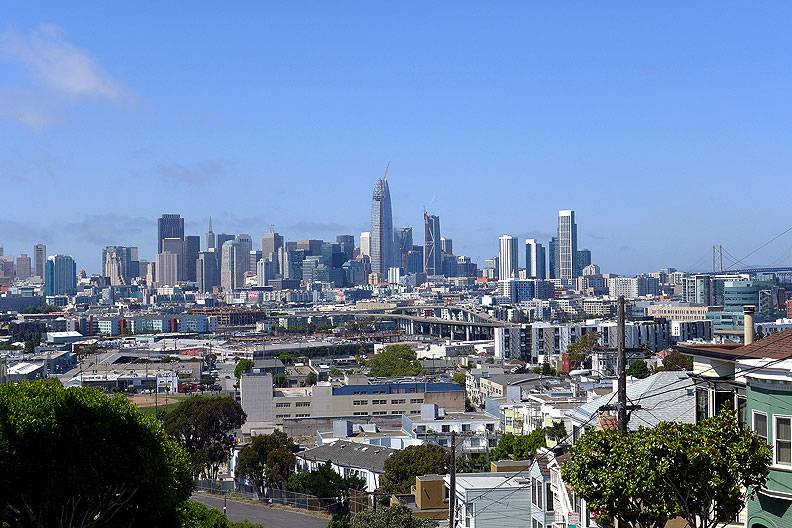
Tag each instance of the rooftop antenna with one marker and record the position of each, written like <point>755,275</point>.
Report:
<point>272,228</point>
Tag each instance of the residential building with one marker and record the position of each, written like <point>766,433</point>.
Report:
<point>535,259</point>
<point>567,245</point>
<point>507,257</point>
<point>434,425</point>
<point>491,500</point>
<point>348,459</point>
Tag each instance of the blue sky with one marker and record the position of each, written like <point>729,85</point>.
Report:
<point>666,127</point>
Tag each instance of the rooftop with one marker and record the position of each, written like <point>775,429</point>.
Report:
<point>350,454</point>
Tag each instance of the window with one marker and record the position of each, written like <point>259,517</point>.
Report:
<point>702,404</point>
<point>742,403</point>
<point>397,402</point>
<point>446,428</point>
<point>379,413</point>
<point>783,441</point>
<point>416,400</point>
<point>760,424</point>
<point>298,415</point>
<point>549,496</point>
<point>302,404</point>
<point>465,427</point>
<point>282,404</point>
<point>360,413</point>
<point>397,412</point>
<point>360,402</point>
<point>283,416</point>
<point>379,402</point>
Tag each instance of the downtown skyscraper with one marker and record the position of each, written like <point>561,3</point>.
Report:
<point>507,257</point>
<point>535,259</point>
<point>433,257</point>
<point>169,226</point>
<point>381,227</point>
<point>567,245</point>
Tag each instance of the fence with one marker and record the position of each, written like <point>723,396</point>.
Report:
<point>292,499</point>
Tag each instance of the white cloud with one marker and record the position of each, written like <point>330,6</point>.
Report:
<point>58,64</point>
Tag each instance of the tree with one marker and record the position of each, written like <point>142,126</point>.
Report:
<point>256,465</point>
<point>638,369</point>
<point>243,366</point>
<point>335,372</point>
<point>193,514</point>
<point>403,466</point>
<point>31,342</point>
<point>519,447</point>
<point>81,455</point>
<point>324,483</point>
<point>460,379</point>
<point>676,360</point>
<point>391,517</point>
<point>285,358</point>
<point>204,425</point>
<point>394,361</point>
<point>311,379</point>
<point>556,432</point>
<point>701,472</point>
<point>339,521</point>
<point>579,352</point>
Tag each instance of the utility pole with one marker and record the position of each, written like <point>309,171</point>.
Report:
<point>452,485</point>
<point>621,368</point>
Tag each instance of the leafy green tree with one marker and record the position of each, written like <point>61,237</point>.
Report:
<point>460,379</point>
<point>267,461</point>
<point>193,514</point>
<point>638,369</point>
<point>676,360</point>
<point>82,455</point>
<point>391,517</point>
<point>394,361</point>
<point>519,447</point>
<point>243,366</point>
<point>403,466</point>
<point>311,379</point>
<point>336,373</point>
<point>324,483</point>
<point>279,380</point>
<point>701,472</point>
<point>204,425</point>
<point>556,432</point>
<point>31,342</point>
<point>339,521</point>
<point>579,353</point>
<point>286,358</point>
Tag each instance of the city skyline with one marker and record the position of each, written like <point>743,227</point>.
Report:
<point>502,120</point>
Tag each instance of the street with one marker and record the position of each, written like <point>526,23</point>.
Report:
<point>267,516</point>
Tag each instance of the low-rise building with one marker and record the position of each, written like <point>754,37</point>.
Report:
<point>348,459</point>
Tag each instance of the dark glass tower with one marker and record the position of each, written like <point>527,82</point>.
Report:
<point>381,228</point>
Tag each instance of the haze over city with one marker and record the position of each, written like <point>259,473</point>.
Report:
<point>663,127</point>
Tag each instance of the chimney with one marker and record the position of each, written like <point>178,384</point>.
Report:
<point>748,324</point>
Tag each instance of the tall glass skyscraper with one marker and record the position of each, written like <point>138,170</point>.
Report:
<point>381,228</point>
<point>169,226</point>
<point>61,276</point>
<point>567,245</point>
<point>433,257</point>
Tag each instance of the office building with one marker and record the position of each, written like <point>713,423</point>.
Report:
<point>415,260</point>
<point>567,245</point>
<point>271,244</point>
<point>382,254</point>
<point>347,245</point>
<point>206,271</point>
<point>583,260</point>
<point>232,275</point>
<point>175,246</point>
<point>120,264</point>
<point>446,246</point>
<point>210,237</point>
<point>507,257</point>
<point>535,259</point>
<point>245,247</point>
<point>39,259</point>
<point>433,256</point>
<point>60,276</point>
<point>167,269</point>
<point>264,272</point>
<point>490,270</point>
<point>192,247</point>
<point>23,267</point>
<point>220,239</point>
<point>403,240</point>
<point>552,258</point>
<point>169,226</point>
<point>365,244</point>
